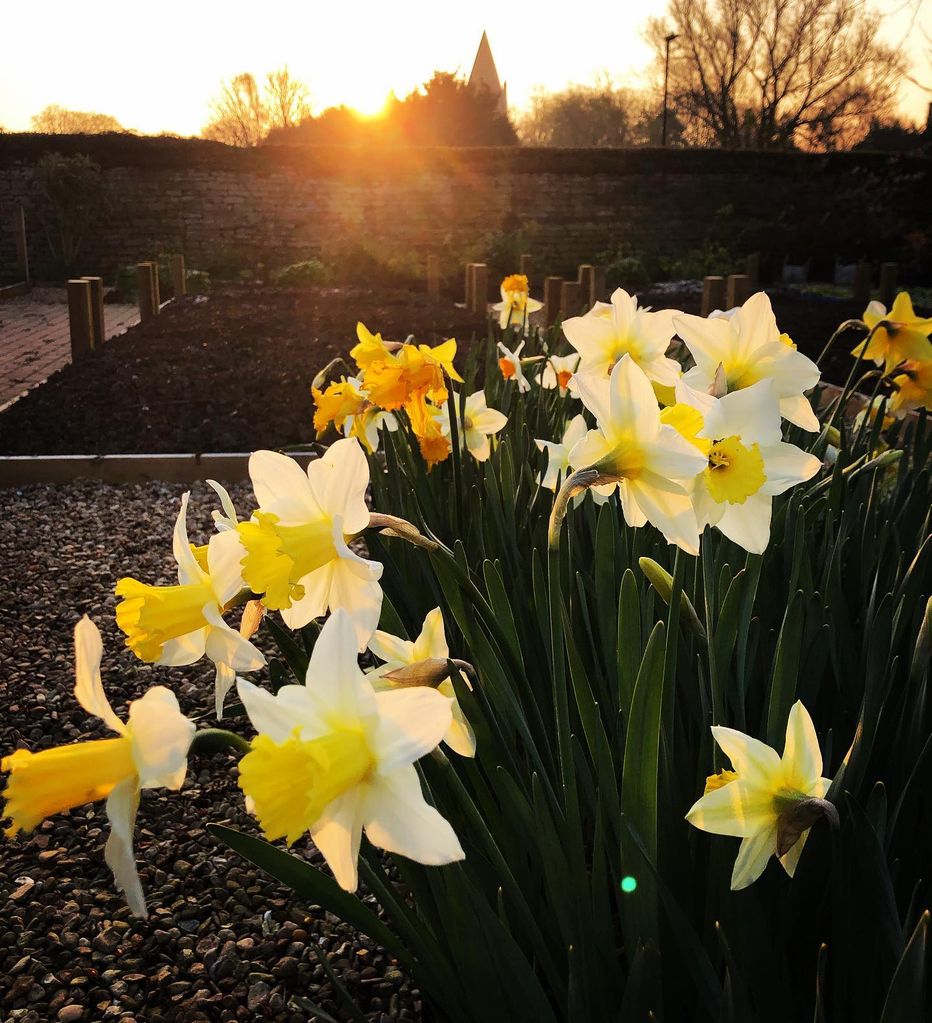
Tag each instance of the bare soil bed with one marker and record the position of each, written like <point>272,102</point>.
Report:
<point>223,941</point>
<point>233,373</point>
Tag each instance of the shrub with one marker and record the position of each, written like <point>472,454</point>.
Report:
<point>307,272</point>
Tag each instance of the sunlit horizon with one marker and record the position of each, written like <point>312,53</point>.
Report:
<point>161,77</point>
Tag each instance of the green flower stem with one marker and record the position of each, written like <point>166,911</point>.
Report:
<point>574,484</point>
<point>847,325</point>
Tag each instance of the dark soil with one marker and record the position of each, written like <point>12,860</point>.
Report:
<point>223,941</point>
<point>233,373</point>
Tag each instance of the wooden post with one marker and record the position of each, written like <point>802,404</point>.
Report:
<point>713,294</point>
<point>526,265</point>
<point>587,285</point>
<point>146,294</point>
<point>79,319</point>
<point>598,285</point>
<point>570,299</point>
<point>552,289</point>
<point>433,278</point>
<point>888,275</point>
<point>752,269</point>
<point>22,252</point>
<point>98,323</point>
<point>470,300</point>
<point>480,289</point>
<point>156,297</point>
<point>862,283</point>
<point>738,290</point>
<point>179,281</point>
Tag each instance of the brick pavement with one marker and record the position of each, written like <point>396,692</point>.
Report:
<point>34,338</point>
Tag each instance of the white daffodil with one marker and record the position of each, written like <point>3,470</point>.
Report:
<point>748,463</point>
<point>151,752</point>
<point>177,625</point>
<point>430,646</point>
<point>558,452</point>
<point>294,550</point>
<point>335,758</point>
<point>510,365</point>
<point>748,346</point>
<point>479,424</point>
<point>649,460</point>
<point>558,372</point>
<point>516,305</point>
<point>768,801</point>
<point>602,338</point>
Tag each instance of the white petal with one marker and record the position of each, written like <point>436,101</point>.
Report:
<point>633,402</point>
<point>595,393</point>
<point>398,818</point>
<point>755,762</point>
<point>345,474</point>
<point>225,556</point>
<point>753,414</point>
<point>337,835</point>
<point>670,512</point>
<point>122,805</point>
<point>673,457</point>
<point>189,571</point>
<point>278,715</point>
<point>432,642</point>
<point>184,649</point>
<point>282,487</point>
<point>315,601</point>
<point>460,736</point>
<point>802,756</point>
<point>755,323</point>
<point>590,449</point>
<point>785,466</point>
<point>224,679</point>
<point>88,687</point>
<point>798,411</point>
<point>710,342</point>
<point>354,591</point>
<point>748,524</point>
<point>337,686</point>
<point>629,506</point>
<point>411,723</point>
<point>226,646</point>
<point>391,648</point>
<point>229,518</point>
<point>161,737</point>
<point>752,858</point>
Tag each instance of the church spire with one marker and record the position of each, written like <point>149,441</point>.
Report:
<point>484,75</point>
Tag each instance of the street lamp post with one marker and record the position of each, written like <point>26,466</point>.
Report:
<point>666,77</point>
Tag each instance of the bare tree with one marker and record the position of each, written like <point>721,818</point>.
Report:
<point>773,73</point>
<point>597,115</point>
<point>243,116</point>
<point>56,120</point>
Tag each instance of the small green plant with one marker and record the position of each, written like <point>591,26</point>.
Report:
<point>308,271</point>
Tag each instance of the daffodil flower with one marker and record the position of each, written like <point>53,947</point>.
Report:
<point>558,452</point>
<point>430,646</point>
<point>650,462</point>
<point>151,752</point>
<point>335,758</point>
<point>347,406</point>
<point>748,463</point>
<point>479,424</point>
<point>606,334</point>
<point>510,366</point>
<point>558,372</point>
<point>516,305</point>
<point>768,801</point>
<point>427,423</point>
<point>898,335</point>
<point>294,550</point>
<point>913,387</point>
<point>178,625</point>
<point>747,345</point>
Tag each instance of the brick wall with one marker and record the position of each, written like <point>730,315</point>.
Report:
<point>278,205</point>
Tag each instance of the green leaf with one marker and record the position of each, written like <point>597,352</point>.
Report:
<point>905,1000</point>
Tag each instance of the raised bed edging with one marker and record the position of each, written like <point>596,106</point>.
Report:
<point>225,467</point>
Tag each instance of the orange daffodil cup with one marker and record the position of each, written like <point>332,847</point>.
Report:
<point>516,305</point>
<point>150,751</point>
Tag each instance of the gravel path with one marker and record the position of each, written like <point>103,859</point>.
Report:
<point>223,941</point>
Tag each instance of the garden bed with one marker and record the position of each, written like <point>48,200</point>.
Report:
<point>233,373</point>
<point>223,941</point>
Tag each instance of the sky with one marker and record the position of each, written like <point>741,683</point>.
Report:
<point>156,67</point>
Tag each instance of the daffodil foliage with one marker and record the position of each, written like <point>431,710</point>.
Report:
<point>603,664</point>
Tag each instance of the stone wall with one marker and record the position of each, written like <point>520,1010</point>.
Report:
<point>222,206</point>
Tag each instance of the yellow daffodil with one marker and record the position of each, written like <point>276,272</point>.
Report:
<point>411,374</point>
<point>427,422</point>
<point>335,758</point>
<point>748,463</point>
<point>510,366</point>
<point>913,385</point>
<point>650,462</point>
<point>295,552</point>
<point>430,646</point>
<point>768,801</point>
<point>371,348</point>
<point>178,625</point>
<point>605,334</point>
<point>346,405</point>
<point>151,751</point>
<point>516,305</point>
<point>901,336</point>
<point>479,424</point>
<point>558,372</point>
<point>747,345</point>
